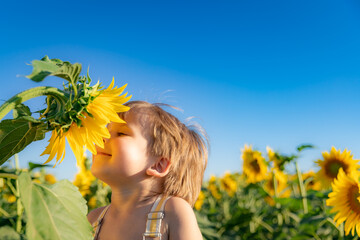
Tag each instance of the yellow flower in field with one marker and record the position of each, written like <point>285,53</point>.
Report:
<point>333,161</point>
<point>10,198</point>
<point>92,129</point>
<point>254,165</point>
<point>50,178</point>
<point>83,181</point>
<point>273,158</point>
<point>200,200</point>
<point>213,188</point>
<point>310,181</point>
<point>37,177</point>
<point>281,179</point>
<point>345,200</point>
<point>84,178</point>
<point>228,184</point>
<point>92,202</point>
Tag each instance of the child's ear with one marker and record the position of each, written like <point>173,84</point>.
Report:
<point>160,168</point>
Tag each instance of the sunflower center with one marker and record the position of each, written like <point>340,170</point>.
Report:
<point>255,165</point>
<point>353,195</point>
<point>332,168</point>
<point>271,184</point>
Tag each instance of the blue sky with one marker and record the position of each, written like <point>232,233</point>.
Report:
<point>277,73</point>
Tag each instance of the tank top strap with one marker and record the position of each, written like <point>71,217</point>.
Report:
<point>97,224</point>
<point>154,218</point>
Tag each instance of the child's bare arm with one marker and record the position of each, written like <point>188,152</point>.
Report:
<point>181,220</point>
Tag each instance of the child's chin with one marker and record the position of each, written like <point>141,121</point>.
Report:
<point>97,168</point>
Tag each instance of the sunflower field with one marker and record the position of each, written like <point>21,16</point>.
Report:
<point>269,199</point>
<point>265,201</point>
<point>262,202</point>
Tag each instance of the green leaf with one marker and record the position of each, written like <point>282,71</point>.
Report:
<point>305,146</point>
<point>208,228</point>
<point>32,166</point>
<point>313,219</point>
<point>54,212</point>
<point>291,203</point>
<point>54,67</point>
<point>21,110</point>
<point>8,233</point>
<point>16,134</point>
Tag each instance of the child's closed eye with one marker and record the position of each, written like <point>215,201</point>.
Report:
<point>121,134</point>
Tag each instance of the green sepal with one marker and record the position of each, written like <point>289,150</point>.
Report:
<point>54,67</point>
<point>16,134</point>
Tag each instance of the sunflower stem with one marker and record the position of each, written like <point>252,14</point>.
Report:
<point>47,108</point>
<point>8,175</point>
<point>11,186</point>
<point>20,208</point>
<point>6,214</point>
<point>341,231</point>
<point>28,94</point>
<point>302,188</point>
<point>276,194</point>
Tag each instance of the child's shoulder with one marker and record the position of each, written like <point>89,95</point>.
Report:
<point>177,204</point>
<point>178,209</point>
<point>94,214</point>
<point>181,219</point>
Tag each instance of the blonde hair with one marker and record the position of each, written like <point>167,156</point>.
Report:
<point>185,147</point>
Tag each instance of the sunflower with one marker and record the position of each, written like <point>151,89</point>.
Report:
<point>254,165</point>
<point>273,157</point>
<point>49,178</point>
<point>92,202</point>
<point>345,200</point>
<point>92,127</point>
<point>281,179</point>
<point>333,161</point>
<point>213,188</point>
<point>310,181</point>
<point>84,178</point>
<point>10,198</point>
<point>229,184</point>
<point>200,200</point>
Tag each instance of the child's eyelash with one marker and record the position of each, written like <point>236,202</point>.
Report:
<point>121,134</point>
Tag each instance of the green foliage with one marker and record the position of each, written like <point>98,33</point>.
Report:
<point>33,166</point>
<point>16,134</point>
<point>21,111</point>
<point>53,212</point>
<point>49,208</point>
<point>54,67</point>
<point>63,107</point>
<point>8,233</point>
<point>250,212</point>
<point>305,146</point>
<point>253,213</point>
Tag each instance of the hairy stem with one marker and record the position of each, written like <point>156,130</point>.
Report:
<point>20,208</point>
<point>28,94</point>
<point>302,188</point>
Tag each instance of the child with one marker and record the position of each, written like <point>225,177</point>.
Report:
<point>151,160</point>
